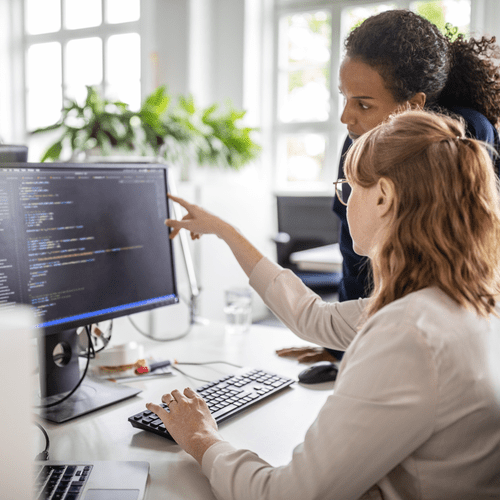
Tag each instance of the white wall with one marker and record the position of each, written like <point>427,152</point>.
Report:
<point>201,46</point>
<point>485,18</point>
<point>11,92</point>
<point>167,22</point>
<point>4,75</point>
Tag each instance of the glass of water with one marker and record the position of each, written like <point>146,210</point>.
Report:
<point>238,309</point>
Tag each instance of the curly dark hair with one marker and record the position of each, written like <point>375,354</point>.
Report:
<point>412,55</point>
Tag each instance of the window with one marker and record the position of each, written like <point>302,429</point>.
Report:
<point>307,133</point>
<point>73,43</point>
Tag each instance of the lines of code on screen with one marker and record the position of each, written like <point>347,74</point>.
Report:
<point>80,242</point>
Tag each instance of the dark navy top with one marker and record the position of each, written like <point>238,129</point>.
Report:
<point>355,281</point>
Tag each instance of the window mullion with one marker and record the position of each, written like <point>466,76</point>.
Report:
<point>63,53</point>
<point>336,129</point>
<point>104,39</point>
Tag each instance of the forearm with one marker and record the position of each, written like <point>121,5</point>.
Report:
<point>246,254</point>
<point>328,324</point>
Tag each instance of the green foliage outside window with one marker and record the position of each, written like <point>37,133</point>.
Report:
<point>433,11</point>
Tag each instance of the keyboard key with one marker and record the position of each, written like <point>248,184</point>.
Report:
<point>60,482</point>
<point>224,411</point>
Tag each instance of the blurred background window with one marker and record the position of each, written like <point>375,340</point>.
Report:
<point>305,67</point>
<point>308,133</point>
<point>69,44</point>
<point>73,43</point>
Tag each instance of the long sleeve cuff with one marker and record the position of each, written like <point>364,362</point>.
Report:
<point>211,454</point>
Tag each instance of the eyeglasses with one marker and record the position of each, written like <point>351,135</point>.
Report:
<point>340,189</point>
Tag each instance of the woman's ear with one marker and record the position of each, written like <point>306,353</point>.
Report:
<point>385,196</point>
<point>417,101</point>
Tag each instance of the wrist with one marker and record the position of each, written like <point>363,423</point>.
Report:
<point>226,232</point>
<point>201,441</point>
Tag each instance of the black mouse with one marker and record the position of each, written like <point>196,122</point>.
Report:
<point>322,371</point>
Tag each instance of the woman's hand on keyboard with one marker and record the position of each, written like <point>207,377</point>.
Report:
<point>189,421</point>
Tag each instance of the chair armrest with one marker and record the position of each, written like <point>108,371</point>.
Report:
<point>281,238</point>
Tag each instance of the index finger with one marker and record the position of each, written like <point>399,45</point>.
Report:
<point>294,350</point>
<point>160,411</point>
<point>189,393</point>
<point>182,202</point>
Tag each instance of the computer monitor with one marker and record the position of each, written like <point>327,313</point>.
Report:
<point>83,243</point>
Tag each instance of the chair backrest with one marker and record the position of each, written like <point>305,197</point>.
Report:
<point>309,223</point>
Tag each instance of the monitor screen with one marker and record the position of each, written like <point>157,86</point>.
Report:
<point>84,243</point>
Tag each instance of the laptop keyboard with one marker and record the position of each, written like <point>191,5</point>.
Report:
<point>60,482</point>
<point>225,397</point>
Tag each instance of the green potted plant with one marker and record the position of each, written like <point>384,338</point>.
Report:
<point>173,131</point>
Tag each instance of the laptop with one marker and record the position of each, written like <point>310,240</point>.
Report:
<point>102,480</point>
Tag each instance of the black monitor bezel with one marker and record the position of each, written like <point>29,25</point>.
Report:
<point>51,329</point>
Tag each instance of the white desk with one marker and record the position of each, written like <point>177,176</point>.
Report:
<point>272,428</point>
<point>325,259</point>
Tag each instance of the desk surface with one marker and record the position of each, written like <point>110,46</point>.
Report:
<point>272,428</point>
<point>325,259</point>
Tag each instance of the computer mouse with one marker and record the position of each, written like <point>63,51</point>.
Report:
<point>322,371</point>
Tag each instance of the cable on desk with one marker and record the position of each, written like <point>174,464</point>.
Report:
<point>99,334</point>
<point>177,337</point>
<point>90,348</point>
<point>208,363</point>
<point>200,364</point>
<point>43,455</point>
<point>79,382</point>
<point>189,376</point>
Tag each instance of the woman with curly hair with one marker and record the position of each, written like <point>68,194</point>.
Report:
<point>416,408</point>
<point>398,59</point>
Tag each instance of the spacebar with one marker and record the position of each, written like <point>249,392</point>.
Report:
<point>219,413</point>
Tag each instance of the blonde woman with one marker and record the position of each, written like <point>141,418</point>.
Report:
<point>414,413</point>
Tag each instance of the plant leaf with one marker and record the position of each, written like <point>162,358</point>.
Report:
<point>54,151</point>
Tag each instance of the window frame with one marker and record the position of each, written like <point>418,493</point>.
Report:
<point>334,131</point>
<point>63,36</point>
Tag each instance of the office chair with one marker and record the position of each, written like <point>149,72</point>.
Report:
<point>306,222</point>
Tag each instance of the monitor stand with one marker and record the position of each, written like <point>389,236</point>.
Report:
<point>90,396</point>
<point>60,373</point>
